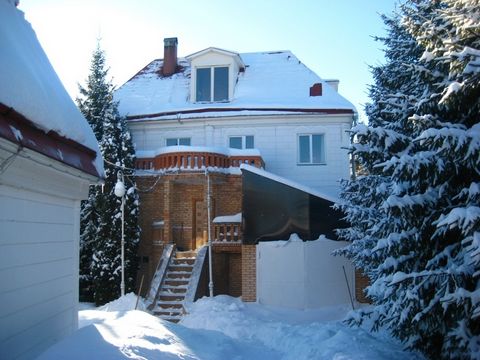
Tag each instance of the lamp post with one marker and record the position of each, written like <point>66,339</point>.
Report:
<point>120,192</point>
<point>210,273</point>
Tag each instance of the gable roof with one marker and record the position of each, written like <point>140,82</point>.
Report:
<point>235,55</point>
<point>35,110</point>
<point>272,83</point>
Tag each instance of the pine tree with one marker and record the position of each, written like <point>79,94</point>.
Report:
<point>415,215</point>
<point>100,241</point>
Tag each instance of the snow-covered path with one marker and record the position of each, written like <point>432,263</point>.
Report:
<point>223,328</point>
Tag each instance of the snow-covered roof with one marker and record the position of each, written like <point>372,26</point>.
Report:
<point>30,86</point>
<point>272,83</point>
<point>288,182</point>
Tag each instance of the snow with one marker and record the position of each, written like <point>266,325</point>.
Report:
<point>452,88</point>
<point>224,328</point>
<point>209,149</point>
<point>271,80</point>
<point>237,218</point>
<point>30,85</point>
<point>287,182</point>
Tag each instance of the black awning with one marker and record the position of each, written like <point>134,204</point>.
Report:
<point>273,210</point>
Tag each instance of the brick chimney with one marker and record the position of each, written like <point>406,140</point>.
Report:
<point>169,56</point>
<point>316,89</point>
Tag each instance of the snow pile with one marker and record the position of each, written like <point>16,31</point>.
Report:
<point>136,334</point>
<point>124,303</point>
<point>110,311</point>
<point>294,334</point>
<point>222,328</point>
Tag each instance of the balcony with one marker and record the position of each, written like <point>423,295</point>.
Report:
<point>227,229</point>
<point>189,158</point>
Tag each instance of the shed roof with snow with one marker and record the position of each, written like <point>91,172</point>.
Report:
<point>267,83</point>
<point>35,110</point>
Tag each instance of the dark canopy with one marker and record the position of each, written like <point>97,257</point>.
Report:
<point>273,210</point>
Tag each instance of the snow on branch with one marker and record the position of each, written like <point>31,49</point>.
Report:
<point>463,217</point>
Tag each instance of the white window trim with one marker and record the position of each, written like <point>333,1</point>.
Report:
<point>212,82</point>
<point>244,140</point>
<point>311,163</point>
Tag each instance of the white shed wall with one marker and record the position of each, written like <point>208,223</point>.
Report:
<point>302,275</point>
<point>39,239</point>
<point>38,271</point>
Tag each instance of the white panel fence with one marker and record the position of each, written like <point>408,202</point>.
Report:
<point>303,275</point>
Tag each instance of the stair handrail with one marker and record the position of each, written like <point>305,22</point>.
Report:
<point>159,275</point>
<point>195,277</point>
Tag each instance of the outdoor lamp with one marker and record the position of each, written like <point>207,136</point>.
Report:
<point>120,192</point>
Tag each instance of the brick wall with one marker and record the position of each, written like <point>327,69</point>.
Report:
<point>361,282</point>
<point>181,210</point>
<point>227,269</point>
<point>151,209</point>
<point>172,200</point>
<point>227,194</point>
<point>249,273</point>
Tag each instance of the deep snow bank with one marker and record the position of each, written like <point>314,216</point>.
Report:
<point>311,336</point>
<point>222,328</point>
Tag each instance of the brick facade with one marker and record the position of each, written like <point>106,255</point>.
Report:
<point>227,269</point>
<point>174,210</point>
<point>361,282</point>
<point>249,273</point>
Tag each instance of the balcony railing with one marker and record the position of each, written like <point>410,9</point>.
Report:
<point>196,160</point>
<point>228,232</point>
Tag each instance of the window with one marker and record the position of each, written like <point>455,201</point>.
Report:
<point>212,84</point>
<point>241,142</point>
<point>178,141</point>
<point>311,149</point>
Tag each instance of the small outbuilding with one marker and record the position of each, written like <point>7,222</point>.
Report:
<point>48,158</point>
<point>290,231</point>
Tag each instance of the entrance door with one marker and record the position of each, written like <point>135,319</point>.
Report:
<point>199,224</point>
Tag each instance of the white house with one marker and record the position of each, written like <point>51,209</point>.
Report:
<point>220,99</point>
<point>48,158</point>
<point>213,111</point>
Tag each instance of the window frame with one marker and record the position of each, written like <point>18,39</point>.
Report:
<point>212,83</point>
<point>178,141</point>
<point>323,160</point>
<point>244,141</point>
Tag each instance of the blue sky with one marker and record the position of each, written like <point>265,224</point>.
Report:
<point>333,38</point>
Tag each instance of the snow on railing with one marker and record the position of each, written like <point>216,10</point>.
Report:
<point>195,278</point>
<point>159,275</point>
<point>194,160</point>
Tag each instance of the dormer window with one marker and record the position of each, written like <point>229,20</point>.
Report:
<point>212,84</point>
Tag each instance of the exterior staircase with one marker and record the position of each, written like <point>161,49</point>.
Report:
<point>170,299</point>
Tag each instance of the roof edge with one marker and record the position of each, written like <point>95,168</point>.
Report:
<point>18,129</point>
<point>287,182</point>
<point>233,54</point>
<point>203,110</point>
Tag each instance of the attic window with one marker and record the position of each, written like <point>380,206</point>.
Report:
<point>212,84</point>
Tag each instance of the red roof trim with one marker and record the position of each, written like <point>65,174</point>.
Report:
<point>19,130</point>
<point>203,110</point>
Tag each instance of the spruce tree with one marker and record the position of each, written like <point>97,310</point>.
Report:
<point>100,240</point>
<point>415,215</point>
